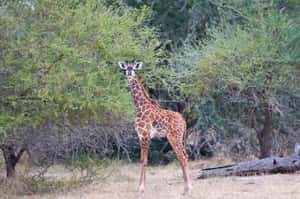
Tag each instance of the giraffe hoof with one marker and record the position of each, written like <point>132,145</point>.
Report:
<point>142,189</point>
<point>187,189</point>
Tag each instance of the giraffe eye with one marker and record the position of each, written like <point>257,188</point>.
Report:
<point>122,65</point>
<point>138,66</point>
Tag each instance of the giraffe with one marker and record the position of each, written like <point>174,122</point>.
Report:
<point>152,121</point>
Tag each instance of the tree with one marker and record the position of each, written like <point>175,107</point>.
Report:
<point>176,20</point>
<point>249,63</point>
<point>58,64</point>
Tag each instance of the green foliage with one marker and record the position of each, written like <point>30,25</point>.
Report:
<point>176,20</point>
<point>235,58</point>
<point>242,57</point>
<point>59,61</point>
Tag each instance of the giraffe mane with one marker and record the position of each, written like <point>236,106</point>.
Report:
<point>154,102</point>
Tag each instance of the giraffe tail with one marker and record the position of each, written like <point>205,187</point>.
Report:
<point>185,135</point>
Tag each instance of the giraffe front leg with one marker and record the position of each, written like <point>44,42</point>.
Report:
<point>144,143</point>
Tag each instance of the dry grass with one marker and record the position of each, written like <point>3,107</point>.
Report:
<point>166,182</point>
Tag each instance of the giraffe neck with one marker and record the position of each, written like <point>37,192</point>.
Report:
<point>140,96</point>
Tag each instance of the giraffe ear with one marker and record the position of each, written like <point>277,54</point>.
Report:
<point>138,65</point>
<point>122,65</point>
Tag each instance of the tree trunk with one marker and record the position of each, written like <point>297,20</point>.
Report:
<point>11,159</point>
<point>265,136</point>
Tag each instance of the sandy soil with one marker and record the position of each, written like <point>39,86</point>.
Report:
<point>166,182</point>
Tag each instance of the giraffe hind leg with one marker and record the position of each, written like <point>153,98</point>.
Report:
<point>178,147</point>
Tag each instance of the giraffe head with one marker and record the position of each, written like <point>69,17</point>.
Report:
<point>130,67</point>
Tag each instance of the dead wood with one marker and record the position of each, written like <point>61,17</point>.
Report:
<point>270,165</point>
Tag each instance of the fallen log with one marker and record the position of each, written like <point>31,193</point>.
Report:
<point>270,165</point>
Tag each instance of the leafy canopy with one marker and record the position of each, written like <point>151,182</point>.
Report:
<point>58,61</point>
<point>254,54</point>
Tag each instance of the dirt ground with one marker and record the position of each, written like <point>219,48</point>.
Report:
<point>165,182</point>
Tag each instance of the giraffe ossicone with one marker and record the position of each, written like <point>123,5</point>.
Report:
<point>152,121</point>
